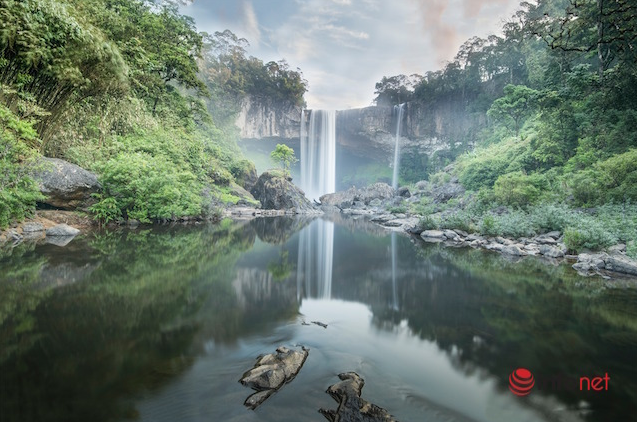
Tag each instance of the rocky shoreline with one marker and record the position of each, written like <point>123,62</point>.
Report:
<point>375,201</point>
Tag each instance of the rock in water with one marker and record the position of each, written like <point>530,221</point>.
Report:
<point>351,407</point>
<point>347,199</point>
<point>276,192</point>
<point>66,185</point>
<point>62,230</point>
<point>271,372</point>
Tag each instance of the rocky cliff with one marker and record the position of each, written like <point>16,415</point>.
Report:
<point>260,119</point>
<point>431,136</point>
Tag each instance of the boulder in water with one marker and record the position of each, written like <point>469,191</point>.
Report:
<point>351,407</point>
<point>271,372</point>
<point>365,196</point>
<point>276,192</point>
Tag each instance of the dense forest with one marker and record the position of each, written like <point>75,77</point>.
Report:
<point>558,93</point>
<point>130,90</point>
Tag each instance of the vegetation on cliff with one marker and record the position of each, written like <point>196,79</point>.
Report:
<point>558,106</point>
<point>130,90</point>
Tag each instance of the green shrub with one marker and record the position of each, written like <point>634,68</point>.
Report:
<point>584,186</point>
<point>18,191</point>
<point>440,178</point>
<point>518,189</point>
<point>488,226</point>
<point>149,188</point>
<point>458,220</point>
<point>549,217</point>
<point>591,235</point>
<point>399,209</point>
<point>427,223</point>
<point>105,210</point>
<point>619,177</point>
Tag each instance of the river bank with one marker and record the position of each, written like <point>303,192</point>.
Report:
<point>444,213</point>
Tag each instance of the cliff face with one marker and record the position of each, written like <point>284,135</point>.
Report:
<point>431,135</point>
<point>260,119</point>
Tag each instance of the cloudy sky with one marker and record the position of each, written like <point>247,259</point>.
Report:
<point>343,47</point>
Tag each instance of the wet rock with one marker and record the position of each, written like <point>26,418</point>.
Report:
<point>271,372</point>
<point>461,232</point>
<point>545,240</point>
<point>494,246</point>
<point>66,185</point>
<point>554,234</point>
<point>433,234</point>
<point>276,192</point>
<point>551,252</point>
<point>621,264</point>
<point>513,250</point>
<point>590,262</point>
<point>351,407</point>
<point>347,199</point>
<point>451,235</point>
<point>62,230</point>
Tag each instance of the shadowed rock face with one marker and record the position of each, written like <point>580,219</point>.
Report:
<point>351,407</point>
<point>271,372</point>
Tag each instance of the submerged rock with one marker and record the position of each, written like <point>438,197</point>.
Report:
<point>271,372</point>
<point>351,407</point>
<point>66,185</point>
<point>276,192</point>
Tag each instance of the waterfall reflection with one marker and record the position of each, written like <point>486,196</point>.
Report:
<point>315,256</point>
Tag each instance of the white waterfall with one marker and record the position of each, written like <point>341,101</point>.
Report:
<point>318,154</point>
<point>399,121</point>
<point>314,266</point>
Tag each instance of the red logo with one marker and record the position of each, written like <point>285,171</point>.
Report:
<point>521,382</point>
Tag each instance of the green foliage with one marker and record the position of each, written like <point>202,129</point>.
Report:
<point>396,90</point>
<point>517,103</point>
<point>488,226</point>
<point>18,191</point>
<point>611,180</point>
<point>591,236</point>
<point>458,220</point>
<point>105,210</point>
<point>147,187</point>
<point>518,189</point>
<point>284,156</point>
<point>427,223</point>
<point>232,77</point>
<point>398,209</point>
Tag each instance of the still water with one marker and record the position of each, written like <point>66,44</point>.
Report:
<point>160,324</point>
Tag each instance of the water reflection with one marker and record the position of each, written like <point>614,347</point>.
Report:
<point>315,256</point>
<point>159,325</point>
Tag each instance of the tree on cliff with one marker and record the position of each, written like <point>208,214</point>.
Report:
<point>284,156</point>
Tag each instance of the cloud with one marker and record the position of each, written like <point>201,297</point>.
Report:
<point>472,8</point>
<point>251,23</point>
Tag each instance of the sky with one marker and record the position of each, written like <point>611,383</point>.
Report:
<point>343,47</point>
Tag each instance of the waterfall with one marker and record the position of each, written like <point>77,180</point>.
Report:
<point>316,252</point>
<point>394,182</point>
<point>318,154</point>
